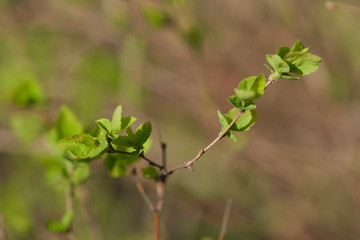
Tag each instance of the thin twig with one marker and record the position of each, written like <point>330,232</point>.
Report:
<point>142,191</point>
<point>151,163</point>
<point>189,164</point>
<point>225,218</point>
<point>342,7</point>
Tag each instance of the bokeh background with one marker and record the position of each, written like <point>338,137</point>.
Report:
<point>295,175</point>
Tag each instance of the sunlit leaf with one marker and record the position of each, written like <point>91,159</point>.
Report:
<point>104,124</point>
<point>279,65</point>
<point>60,226</point>
<point>251,88</point>
<point>302,63</point>
<point>116,119</point>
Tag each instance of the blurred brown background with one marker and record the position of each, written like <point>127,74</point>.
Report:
<point>295,175</point>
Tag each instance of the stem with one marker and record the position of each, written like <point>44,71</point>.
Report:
<point>157,225</point>
<point>225,218</point>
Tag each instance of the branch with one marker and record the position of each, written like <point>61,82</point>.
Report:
<point>225,218</point>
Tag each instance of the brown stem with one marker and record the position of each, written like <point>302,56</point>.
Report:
<point>225,218</point>
<point>157,225</point>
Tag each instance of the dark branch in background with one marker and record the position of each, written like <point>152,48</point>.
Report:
<point>225,218</point>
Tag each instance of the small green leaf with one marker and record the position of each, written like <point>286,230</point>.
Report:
<point>279,65</point>
<point>116,119</point>
<point>302,63</point>
<point>150,173</point>
<point>28,93</point>
<point>235,100</point>
<point>283,51</point>
<point>298,47</point>
<point>155,17</point>
<point>126,122</point>
<point>104,124</point>
<point>63,225</point>
<point>142,133</point>
<point>101,148</point>
<point>81,145</point>
<point>67,124</point>
<point>244,123</point>
<point>268,67</point>
<point>251,88</point>
<point>81,173</point>
<point>224,125</point>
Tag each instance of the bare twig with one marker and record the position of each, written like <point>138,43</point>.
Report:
<point>225,218</point>
<point>342,7</point>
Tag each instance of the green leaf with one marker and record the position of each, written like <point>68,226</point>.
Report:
<point>283,51</point>
<point>101,148</point>
<point>27,93</point>
<point>251,88</point>
<point>116,119</point>
<point>244,123</point>
<point>224,125</point>
<point>299,47</point>
<point>126,122</point>
<point>80,145</point>
<point>142,134</point>
<point>67,124</point>
<point>81,173</point>
<point>155,17</point>
<point>150,172</point>
<point>104,124</point>
<point>279,65</point>
<point>234,100</point>
<point>63,225</point>
<point>302,63</point>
